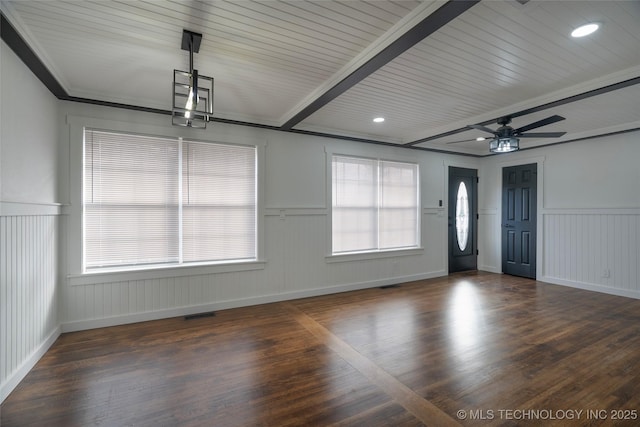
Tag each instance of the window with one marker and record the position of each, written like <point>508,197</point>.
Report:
<point>374,205</point>
<point>462,216</point>
<point>151,201</point>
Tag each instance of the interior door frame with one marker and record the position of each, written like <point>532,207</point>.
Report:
<point>539,161</point>
<point>444,209</point>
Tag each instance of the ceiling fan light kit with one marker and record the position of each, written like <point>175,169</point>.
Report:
<point>192,92</point>
<point>504,145</point>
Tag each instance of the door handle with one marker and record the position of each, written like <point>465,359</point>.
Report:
<point>509,226</point>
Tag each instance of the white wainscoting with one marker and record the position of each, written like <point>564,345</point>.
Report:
<point>29,239</point>
<point>296,244</point>
<point>593,249</point>
<point>489,233</point>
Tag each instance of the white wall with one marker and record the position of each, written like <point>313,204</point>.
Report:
<point>29,167</point>
<point>295,216</point>
<point>588,213</point>
<point>29,220</point>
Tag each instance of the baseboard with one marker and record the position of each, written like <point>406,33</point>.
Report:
<point>14,379</point>
<point>629,293</point>
<point>490,269</point>
<point>243,302</point>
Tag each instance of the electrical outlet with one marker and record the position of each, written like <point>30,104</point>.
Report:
<point>606,273</point>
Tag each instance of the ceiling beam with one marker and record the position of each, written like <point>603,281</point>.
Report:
<point>563,101</point>
<point>442,16</point>
<point>11,37</point>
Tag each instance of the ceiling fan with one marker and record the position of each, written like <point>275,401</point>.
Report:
<point>506,138</point>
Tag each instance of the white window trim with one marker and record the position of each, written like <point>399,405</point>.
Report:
<point>193,269</point>
<point>372,255</point>
<point>75,274</point>
<point>330,257</point>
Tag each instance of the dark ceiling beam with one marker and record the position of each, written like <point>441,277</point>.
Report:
<point>116,105</point>
<point>584,138</point>
<point>11,37</point>
<point>542,107</point>
<point>445,14</point>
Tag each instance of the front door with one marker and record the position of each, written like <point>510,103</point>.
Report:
<point>519,196</point>
<point>463,215</point>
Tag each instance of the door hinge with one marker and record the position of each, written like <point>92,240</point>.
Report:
<point>477,179</point>
<point>477,252</point>
<point>477,216</point>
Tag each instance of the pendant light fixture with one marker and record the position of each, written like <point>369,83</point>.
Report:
<point>192,92</point>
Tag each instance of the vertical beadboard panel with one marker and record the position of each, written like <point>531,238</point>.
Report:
<point>595,249</point>
<point>434,223</point>
<point>28,291</point>
<point>275,229</point>
<point>489,236</point>
<point>304,243</point>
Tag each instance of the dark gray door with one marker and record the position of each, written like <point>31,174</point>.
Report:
<point>463,219</point>
<point>519,198</point>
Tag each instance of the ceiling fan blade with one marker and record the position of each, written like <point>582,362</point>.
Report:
<point>462,140</point>
<point>541,135</point>
<point>482,128</point>
<point>539,123</point>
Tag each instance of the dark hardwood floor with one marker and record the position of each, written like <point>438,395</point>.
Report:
<point>468,349</point>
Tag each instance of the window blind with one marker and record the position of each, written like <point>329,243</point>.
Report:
<point>130,200</point>
<point>374,205</point>
<point>219,202</point>
<point>159,201</point>
<point>354,206</point>
<point>398,205</point>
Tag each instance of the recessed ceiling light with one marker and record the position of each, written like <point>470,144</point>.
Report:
<point>480,138</point>
<point>379,119</point>
<point>585,30</point>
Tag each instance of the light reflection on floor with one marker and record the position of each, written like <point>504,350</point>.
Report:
<point>465,317</point>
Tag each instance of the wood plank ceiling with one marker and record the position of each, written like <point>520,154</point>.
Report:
<point>274,61</point>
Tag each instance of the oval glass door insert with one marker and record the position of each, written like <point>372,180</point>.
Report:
<point>462,216</point>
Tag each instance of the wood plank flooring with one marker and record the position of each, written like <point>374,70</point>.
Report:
<point>469,349</point>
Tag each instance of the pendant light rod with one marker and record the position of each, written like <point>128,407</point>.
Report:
<point>191,42</point>
<point>191,54</point>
